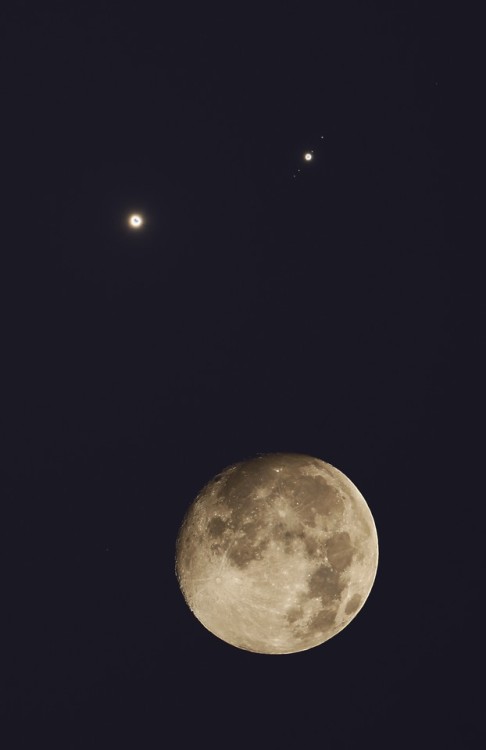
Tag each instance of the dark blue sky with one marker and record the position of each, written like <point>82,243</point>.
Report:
<point>334,314</point>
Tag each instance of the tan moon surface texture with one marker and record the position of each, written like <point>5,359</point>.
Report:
<point>277,554</point>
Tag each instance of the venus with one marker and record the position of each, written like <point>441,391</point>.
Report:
<point>277,554</point>
<point>135,221</point>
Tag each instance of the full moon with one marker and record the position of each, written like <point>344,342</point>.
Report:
<point>277,554</point>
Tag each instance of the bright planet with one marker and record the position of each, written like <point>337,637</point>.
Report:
<point>135,221</point>
<point>277,554</point>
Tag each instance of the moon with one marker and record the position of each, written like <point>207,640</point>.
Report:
<point>277,554</point>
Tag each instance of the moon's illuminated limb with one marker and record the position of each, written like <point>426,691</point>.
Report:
<point>135,221</point>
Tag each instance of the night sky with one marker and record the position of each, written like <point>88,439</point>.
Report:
<point>335,313</point>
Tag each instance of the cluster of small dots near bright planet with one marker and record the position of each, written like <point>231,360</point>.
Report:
<point>307,157</point>
<point>136,221</point>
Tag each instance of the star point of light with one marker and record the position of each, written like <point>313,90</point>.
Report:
<point>135,221</point>
<point>308,156</point>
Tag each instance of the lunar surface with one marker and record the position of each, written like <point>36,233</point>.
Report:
<point>277,554</point>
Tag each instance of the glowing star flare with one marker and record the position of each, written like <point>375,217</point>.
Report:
<point>308,156</point>
<point>135,221</point>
